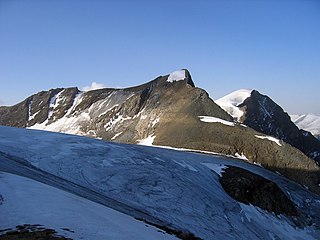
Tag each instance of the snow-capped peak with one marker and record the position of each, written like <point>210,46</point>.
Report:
<point>230,102</point>
<point>177,76</point>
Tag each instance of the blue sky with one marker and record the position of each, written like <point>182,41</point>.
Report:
<point>271,46</point>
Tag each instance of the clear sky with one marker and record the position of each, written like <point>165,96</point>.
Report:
<point>272,46</point>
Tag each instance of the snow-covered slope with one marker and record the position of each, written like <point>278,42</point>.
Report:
<point>307,122</point>
<point>25,201</point>
<point>231,102</point>
<point>181,190</point>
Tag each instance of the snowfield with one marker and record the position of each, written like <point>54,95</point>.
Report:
<point>230,102</point>
<point>28,201</point>
<point>178,189</point>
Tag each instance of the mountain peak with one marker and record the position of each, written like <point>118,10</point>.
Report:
<point>261,113</point>
<point>167,113</point>
<point>181,75</point>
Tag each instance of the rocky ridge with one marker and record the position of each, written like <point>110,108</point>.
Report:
<point>165,111</point>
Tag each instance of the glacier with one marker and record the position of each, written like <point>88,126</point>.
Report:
<point>176,189</point>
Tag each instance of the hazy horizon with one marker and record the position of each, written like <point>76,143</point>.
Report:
<point>271,46</point>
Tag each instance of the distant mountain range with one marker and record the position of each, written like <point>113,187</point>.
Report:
<point>170,111</point>
<point>307,122</point>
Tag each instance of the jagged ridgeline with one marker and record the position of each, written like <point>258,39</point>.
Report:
<point>167,111</point>
<point>264,115</point>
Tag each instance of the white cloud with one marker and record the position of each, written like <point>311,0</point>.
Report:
<point>94,86</point>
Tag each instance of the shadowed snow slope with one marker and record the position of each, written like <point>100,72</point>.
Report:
<point>181,190</point>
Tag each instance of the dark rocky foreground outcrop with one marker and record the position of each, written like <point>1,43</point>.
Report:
<point>167,112</point>
<point>31,232</point>
<point>265,116</point>
<point>250,188</point>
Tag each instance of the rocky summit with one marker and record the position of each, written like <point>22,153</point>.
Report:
<point>261,113</point>
<point>167,111</point>
<point>264,115</point>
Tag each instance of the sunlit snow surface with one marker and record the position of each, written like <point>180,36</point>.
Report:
<point>181,189</point>
<point>28,201</point>
<point>230,102</point>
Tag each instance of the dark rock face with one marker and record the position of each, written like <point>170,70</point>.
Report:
<point>249,188</point>
<point>15,116</point>
<point>167,111</point>
<point>265,116</point>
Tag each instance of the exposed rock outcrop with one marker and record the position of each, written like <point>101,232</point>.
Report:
<point>249,188</point>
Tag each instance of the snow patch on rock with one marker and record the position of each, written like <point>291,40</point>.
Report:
<point>116,135</point>
<point>54,103</point>
<point>177,76</point>
<point>68,123</point>
<point>114,121</point>
<point>155,121</point>
<point>277,141</point>
<point>209,119</point>
<point>241,156</point>
<point>148,141</point>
